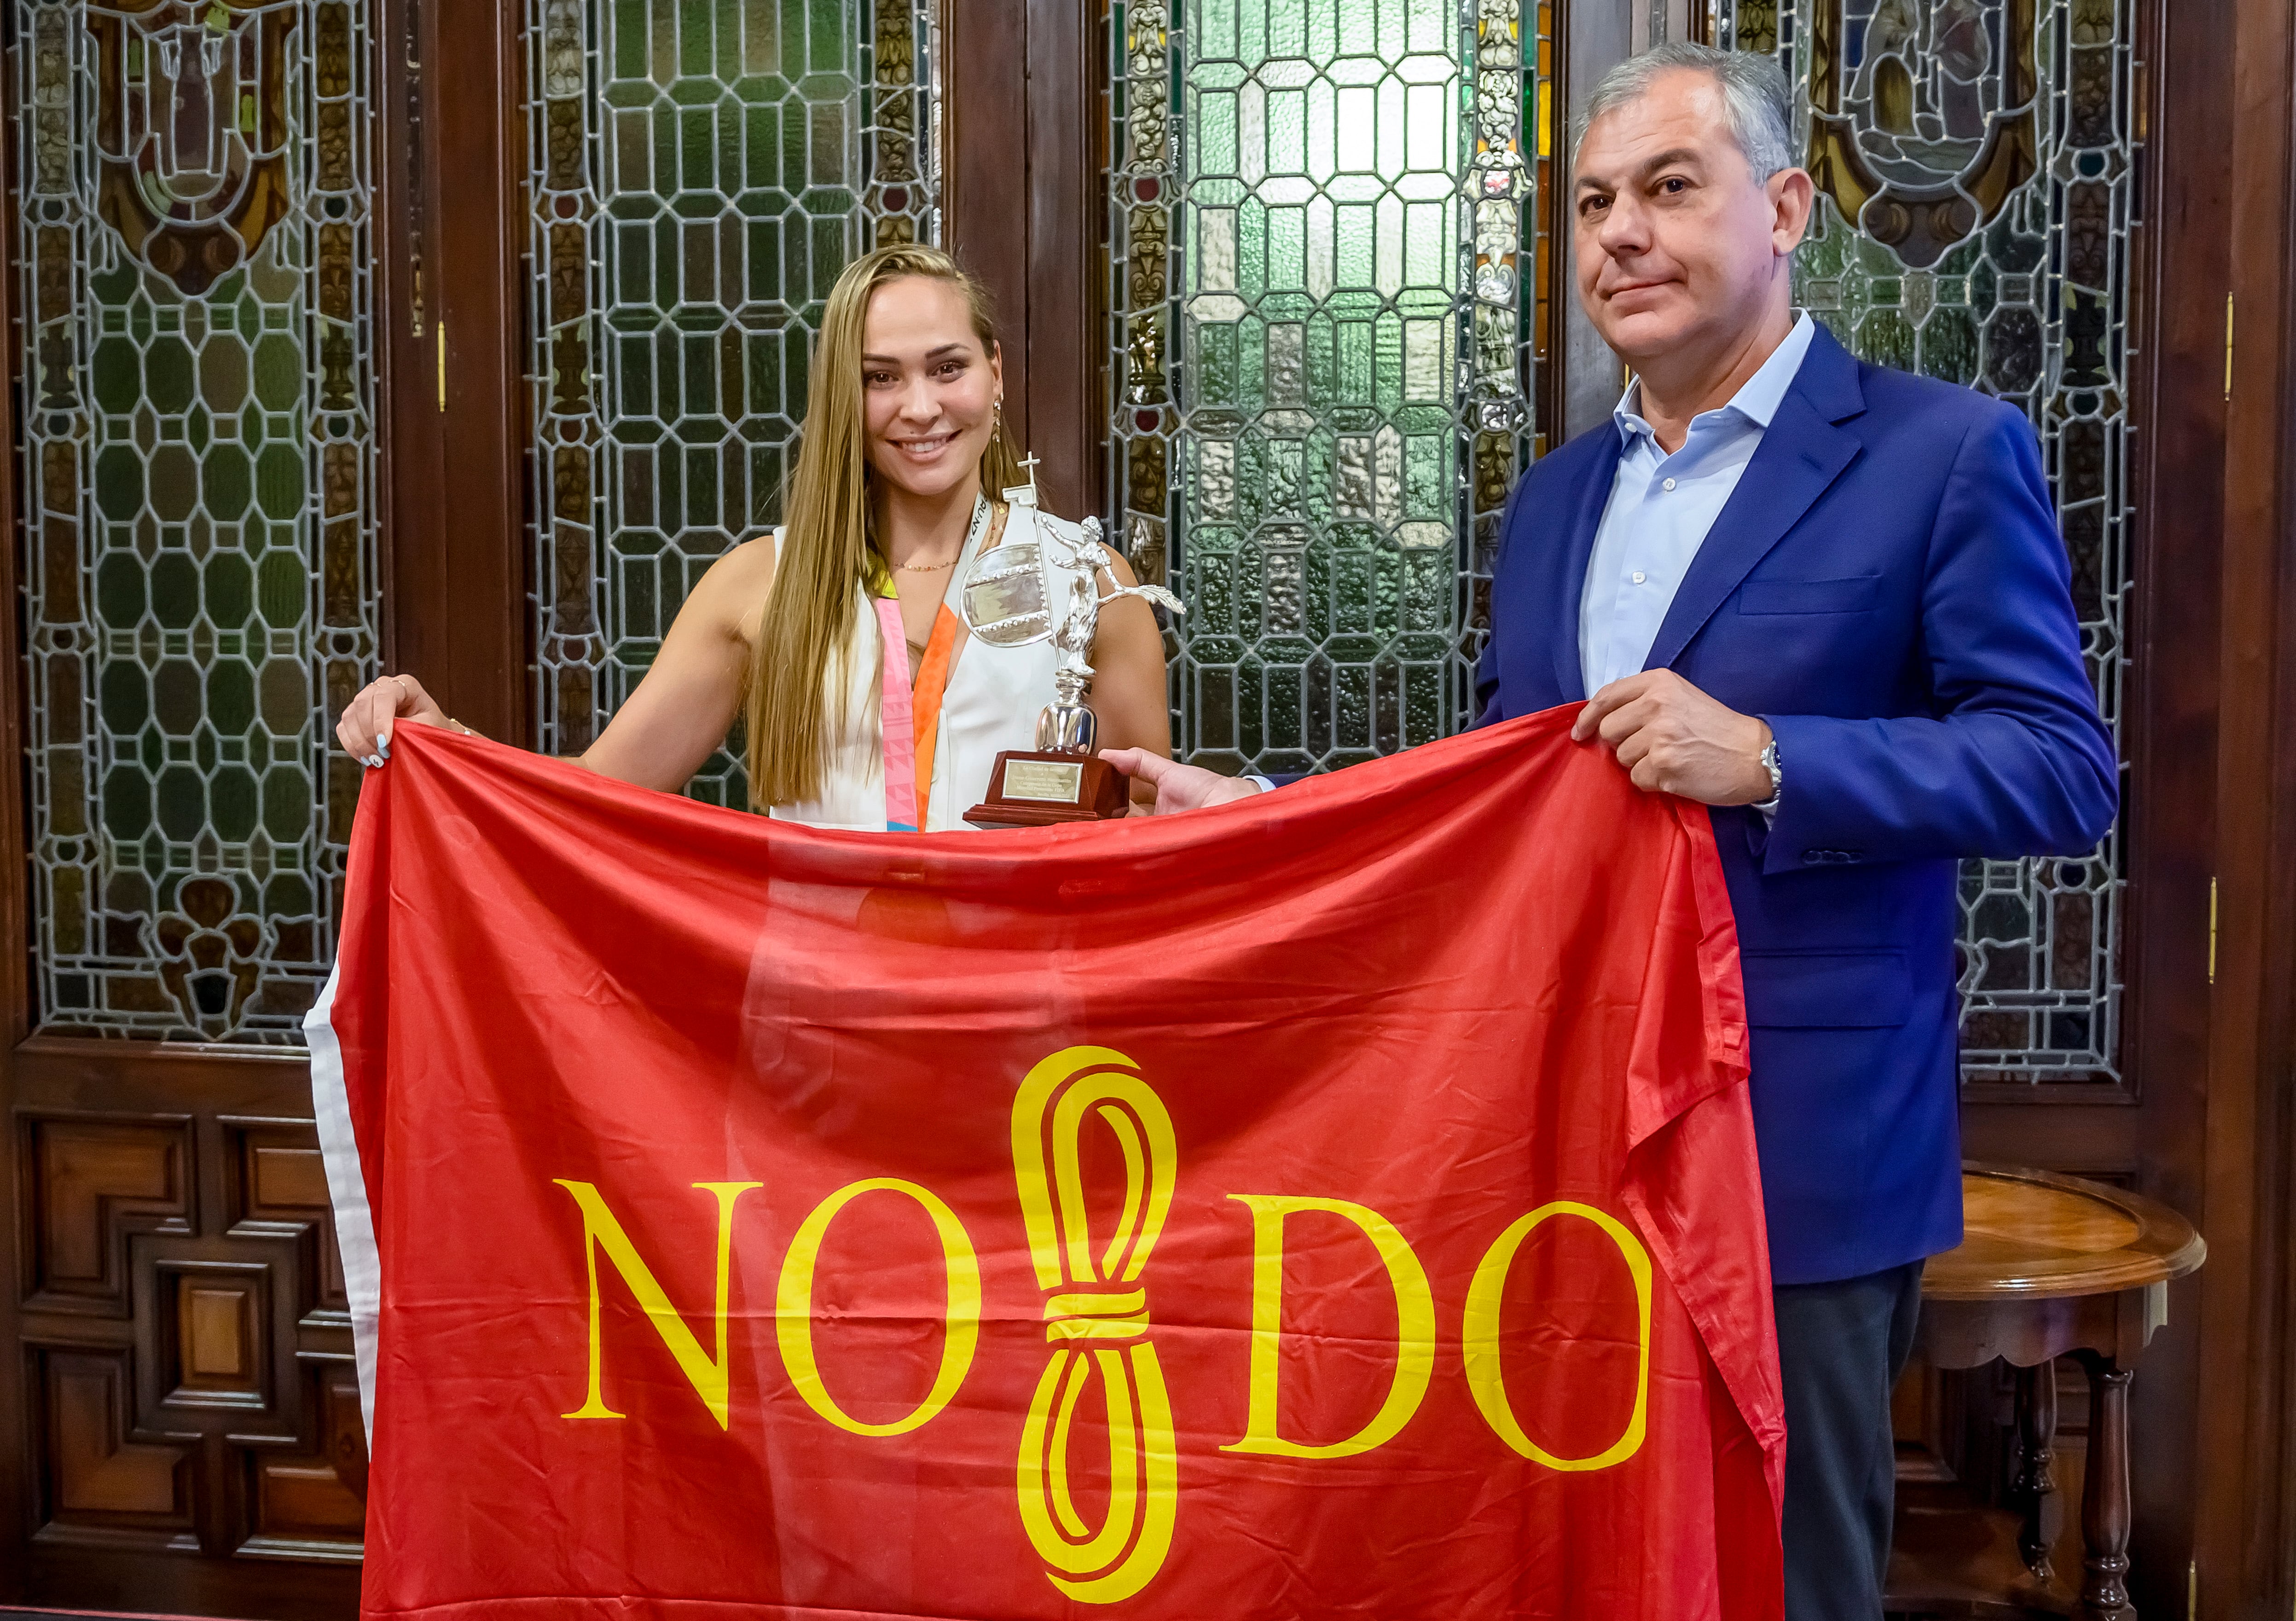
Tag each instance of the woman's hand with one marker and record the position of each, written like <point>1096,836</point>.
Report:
<point>365,729</point>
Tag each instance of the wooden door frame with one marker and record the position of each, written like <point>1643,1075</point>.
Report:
<point>454,546</point>
<point>1023,205</point>
<point>2245,1500</point>
<point>16,962</point>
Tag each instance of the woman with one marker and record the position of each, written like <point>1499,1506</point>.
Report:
<point>903,455</point>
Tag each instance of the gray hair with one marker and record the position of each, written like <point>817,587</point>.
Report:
<point>1754,90</point>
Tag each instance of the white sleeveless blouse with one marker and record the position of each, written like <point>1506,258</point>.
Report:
<point>990,704</point>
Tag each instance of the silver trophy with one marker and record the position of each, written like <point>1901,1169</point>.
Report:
<point>1037,585</point>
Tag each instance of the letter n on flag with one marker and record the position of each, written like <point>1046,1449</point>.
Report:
<point>1339,1204</point>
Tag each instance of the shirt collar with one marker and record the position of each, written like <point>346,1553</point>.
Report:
<point>1758,399</point>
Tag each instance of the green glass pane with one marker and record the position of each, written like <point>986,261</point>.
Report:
<point>279,478</point>
<point>287,802</point>
<point>175,590</point>
<point>168,374</point>
<point>118,374</point>
<point>231,801</point>
<point>282,583</point>
<point>230,591</point>
<point>181,796</point>
<point>227,482</point>
<point>278,373</point>
<point>118,482</point>
<point>231,697</point>
<point>127,804</point>
<point>125,701</point>
<point>120,594</point>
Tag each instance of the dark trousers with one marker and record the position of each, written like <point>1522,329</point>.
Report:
<point>1841,1348</point>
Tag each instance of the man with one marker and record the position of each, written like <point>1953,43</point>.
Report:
<point>1828,601</point>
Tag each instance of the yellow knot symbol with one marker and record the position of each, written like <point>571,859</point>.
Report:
<point>1095,1296</point>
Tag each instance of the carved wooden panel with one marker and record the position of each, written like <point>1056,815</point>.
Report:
<point>89,1186</point>
<point>184,1333</point>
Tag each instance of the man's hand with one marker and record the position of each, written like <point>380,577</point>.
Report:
<point>1178,788</point>
<point>1673,739</point>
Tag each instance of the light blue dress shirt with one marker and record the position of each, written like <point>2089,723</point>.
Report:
<point>1660,509</point>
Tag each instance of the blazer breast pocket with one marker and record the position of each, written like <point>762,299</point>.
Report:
<point>1857,594</point>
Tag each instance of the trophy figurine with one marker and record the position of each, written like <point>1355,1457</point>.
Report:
<point>1035,586</point>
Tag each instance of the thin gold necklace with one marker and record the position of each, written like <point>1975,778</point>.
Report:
<point>979,521</point>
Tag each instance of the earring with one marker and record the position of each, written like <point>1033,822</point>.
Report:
<point>996,421</point>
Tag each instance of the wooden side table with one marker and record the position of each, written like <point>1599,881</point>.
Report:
<point>2052,1267</point>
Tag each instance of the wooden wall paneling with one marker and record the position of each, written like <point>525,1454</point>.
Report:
<point>185,1334</point>
<point>447,164</point>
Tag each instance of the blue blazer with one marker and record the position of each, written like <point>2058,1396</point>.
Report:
<point>1886,587</point>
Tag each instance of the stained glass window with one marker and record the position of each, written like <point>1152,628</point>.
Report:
<point>1976,162</point>
<point>699,174</point>
<point>197,473</point>
<point>1328,293</point>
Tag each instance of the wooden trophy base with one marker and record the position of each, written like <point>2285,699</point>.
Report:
<point>1038,789</point>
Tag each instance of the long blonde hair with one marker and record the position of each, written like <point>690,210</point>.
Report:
<point>826,539</point>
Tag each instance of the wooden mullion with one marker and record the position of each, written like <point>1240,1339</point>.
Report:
<point>16,979</point>
<point>1066,198</point>
<point>456,570</point>
<point>985,161</point>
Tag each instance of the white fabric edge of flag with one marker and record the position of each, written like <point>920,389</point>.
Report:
<point>331,1104</point>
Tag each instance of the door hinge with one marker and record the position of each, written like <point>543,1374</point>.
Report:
<point>440,327</point>
<point>2212,929</point>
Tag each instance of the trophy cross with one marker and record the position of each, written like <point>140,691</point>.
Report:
<point>1008,600</point>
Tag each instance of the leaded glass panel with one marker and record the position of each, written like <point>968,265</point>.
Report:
<point>1978,179</point>
<point>1328,291</point>
<point>198,474</point>
<point>699,174</point>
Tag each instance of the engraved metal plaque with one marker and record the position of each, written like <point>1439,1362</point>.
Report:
<point>1045,781</point>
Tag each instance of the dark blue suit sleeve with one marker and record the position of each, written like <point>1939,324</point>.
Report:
<point>1488,709</point>
<point>2014,760</point>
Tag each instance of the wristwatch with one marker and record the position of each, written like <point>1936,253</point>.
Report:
<point>1777,777</point>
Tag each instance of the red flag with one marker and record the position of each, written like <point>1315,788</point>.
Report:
<point>1340,1203</point>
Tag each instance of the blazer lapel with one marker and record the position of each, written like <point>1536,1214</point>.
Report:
<point>1801,455</point>
<point>1594,494</point>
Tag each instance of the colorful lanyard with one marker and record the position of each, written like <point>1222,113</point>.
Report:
<point>909,716</point>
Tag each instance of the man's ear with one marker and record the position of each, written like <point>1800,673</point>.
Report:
<point>1792,194</point>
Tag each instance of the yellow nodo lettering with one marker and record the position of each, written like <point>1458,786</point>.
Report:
<point>1479,1338</point>
<point>793,1307</point>
<point>602,1230</point>
<point>1415,1328</point>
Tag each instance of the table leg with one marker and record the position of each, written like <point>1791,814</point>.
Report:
<point>2036,1480</point>
<point>2104,1493</point>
